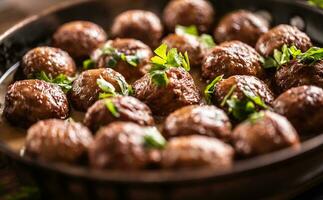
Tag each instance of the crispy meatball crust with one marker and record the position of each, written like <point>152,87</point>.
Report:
<point>138,24</point>
<point>198,120</point>
<point>282,34</point>
<point>179,92</point>
<point>267,134</point>
<point>189,12</point>
<point>79,38</point>
<point>303,107</point>
<point>197,151</point>
<point>57,140</point>
<point>232,58</point>
<point>241,25</point>
<point>29,101</point>
<point>129,109</point>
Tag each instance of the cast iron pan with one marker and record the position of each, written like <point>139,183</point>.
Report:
<point>277,175</point>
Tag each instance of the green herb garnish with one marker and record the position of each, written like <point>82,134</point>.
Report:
<point>112,108</point>
<point>253,118</point>
<point>210,88</point>
<point>153,139</point>
<point>61,80</point>
<point>88,64</point>
<point>318,3</point>
<point>110,91</point>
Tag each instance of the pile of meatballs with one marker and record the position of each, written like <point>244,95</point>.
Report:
<point>130,122</point>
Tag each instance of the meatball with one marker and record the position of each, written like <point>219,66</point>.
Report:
<point>241,25</point>
<point>264,133</point>
<point>58,141</point>
<point>232,58</point>
<point>295,74</point>
<point>129,47</point>
<point>186,43</point>
<point>197,151</point>
<point>198,120</point>
<point>180,91</point>
<point>127,109</point>
<point>189,12</point>
<point>303,107</point>
<point>276,37</point>
<point>79,38</point>
<point>85,90</point>
<point>52,61</point>
<point>138,24</point>
<point>122,145</point>
<point>29,101</point>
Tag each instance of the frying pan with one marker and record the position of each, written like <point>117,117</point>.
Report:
<point>281,174</point>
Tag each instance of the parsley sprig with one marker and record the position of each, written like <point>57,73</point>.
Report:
<point>112,108</point>
<point>110,91</point>
<point>153,139</point>
<point>205,39</point>
<point>210,88</point>
<point>253,118</point>
<point>61,80</point>
<point>318,3</point>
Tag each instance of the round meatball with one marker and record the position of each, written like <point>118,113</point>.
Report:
<point>295,74</point>
<point>79,38</point>
<point>189,12</point>
<point>52,61</point>
<point>186,43</point>
<point>85,90</point>
<point>198,120</point>
<point>128,109</point>
<point>162,100</point>
<point>197,151</point>
<point>264,133</point>
<point>129,47</point>
<point>241,25</point>
<point>276,37</point>
<point>303,107</point>
<point>138,24</point>
<point>121,145</point>
<point>58,141</point>
<point>29,101</point>
<point>232,58</point>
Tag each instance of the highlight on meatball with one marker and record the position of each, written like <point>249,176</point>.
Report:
<point>126,145</point>
<point>58,141</point>
<point>303,107</point>
<point>129,57</point>
<point>189,12</point>
<point>241,25</point>
<point>79,38</point>
<point>262,133</point>
<point>282,34</point>
<point>198,120</point>
<point>232,58</point>
<point>138,24</point>
<point>197,151</point>
<point>92,84</point>
<point>29,101</point>
<point>52,61</point>
<point>119,108</point>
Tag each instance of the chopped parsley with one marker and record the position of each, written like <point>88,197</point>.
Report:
<point>153,139</point>
<point>88,64</point>
<point>210,88</point>
<point>253,118</point>
<point>110,91</point>
<point>61,80</point>
<point>318,3</point>
<point>111,107</point>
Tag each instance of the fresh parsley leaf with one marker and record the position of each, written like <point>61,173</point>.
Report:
<point>153,139</point>
<point>253,118</point>
<point>107,88</point>
<point>112,108</point>
<point>228,95</point>
<point>161,51</point>
<point>311,55</point>
<point>280,57</point>
<point>253,97</point>
<point>318,3</point>
<point>88,64</point>
<point>207,41</point>
<point>124,87</point>
<point>210,88</point>
<point>189,30</point>
<point>61,80</point>
<point>159,78</point>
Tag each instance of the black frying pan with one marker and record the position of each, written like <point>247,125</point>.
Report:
<point>277,175</point>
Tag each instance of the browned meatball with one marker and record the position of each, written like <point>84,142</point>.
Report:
<point>241,25</point>
<point>179,92</point>
<point>127,109</point>
<point>85,90</point>
<point>303,107</point>
<point>197,151</point>
<point>52,61</point>
<point>232,58</point>
<point>79,38</point>
<point>57,140</point>
<point>121,145</point>
<point>276,37</point>
<point>189,12</point>
<point>138,24</point>
<point>29,101</point>
<point>265,133</point>
<point>198,120</point>
<point>295,74</point>
<point>186,43</point>
<point>129,47</point>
